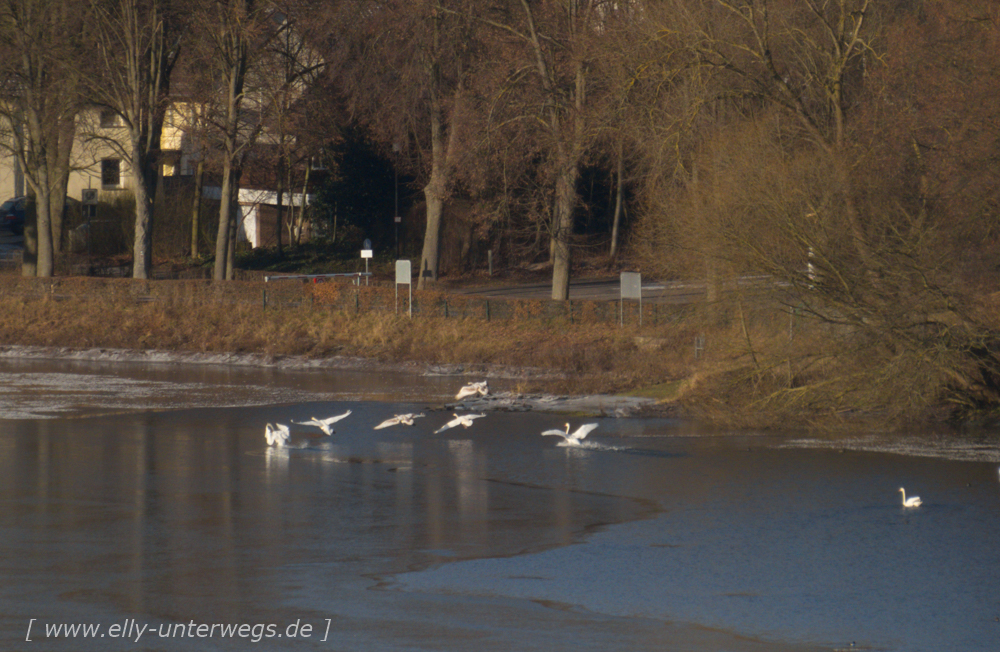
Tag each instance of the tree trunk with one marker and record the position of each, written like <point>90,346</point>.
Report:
<point>562,230</point>
<point>60,177</point>
<point>37,258</point>
<point>712,276</point>
<point>568,146</point>
<point>44,230</point>
<point>142,249</point>
<point>437,184</point>
<point>281,206</point>
<point>236,53</point>
<point>569,154</point>
<point>619,191</point>
<point>233,231</point>
<point>57,214</point>
<point>432,233</point>
<point>199,178</point>
<point>302,209</point>
<point>553,223</point>
<point>225,217</point>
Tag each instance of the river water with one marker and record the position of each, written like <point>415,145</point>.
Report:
<point>141,501</point>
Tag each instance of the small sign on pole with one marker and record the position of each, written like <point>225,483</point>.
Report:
<point>404,275</point>
<point>631,289</point>
<point>89,202</point>
<point>366,253</point>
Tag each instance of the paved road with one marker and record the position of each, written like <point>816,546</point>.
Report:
<point>597,289</point>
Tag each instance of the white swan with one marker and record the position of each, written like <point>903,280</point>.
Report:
<point>577,436</point>
<point>912,501</point>
<point>473,389</point>
<point>324,424</point>
<point>277,435</point>
<point>405,419</point>
<point>464,420</point>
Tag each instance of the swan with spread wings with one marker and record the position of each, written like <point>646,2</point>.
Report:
<point>464,420</point>
<point>576,437</point>
<point>399,419</point>
<point>473,389</point>
<point>324,424</point>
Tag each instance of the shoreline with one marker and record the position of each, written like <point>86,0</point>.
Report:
<point>596,405</point>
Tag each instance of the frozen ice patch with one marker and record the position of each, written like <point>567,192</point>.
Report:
<point>958,447</point>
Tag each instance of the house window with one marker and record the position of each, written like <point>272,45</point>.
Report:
<point>318,162</point>
<point>109,119</point>
<point>111,173</point>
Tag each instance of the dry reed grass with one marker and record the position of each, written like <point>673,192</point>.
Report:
<point>199,316</point>
<point>759,366</point>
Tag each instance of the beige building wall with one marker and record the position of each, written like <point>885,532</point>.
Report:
<point>11,181</point>
<point>97,160</point>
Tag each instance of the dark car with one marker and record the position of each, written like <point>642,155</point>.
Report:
<point>12,214</point>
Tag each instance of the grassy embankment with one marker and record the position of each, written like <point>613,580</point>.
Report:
<point>592,355</point>
<point>759,366</point>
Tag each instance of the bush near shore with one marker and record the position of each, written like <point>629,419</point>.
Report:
<point>745,361</point>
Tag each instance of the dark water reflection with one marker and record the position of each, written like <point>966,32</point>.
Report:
<point>652,537</point>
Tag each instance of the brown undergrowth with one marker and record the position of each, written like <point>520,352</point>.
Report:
<point>593,358</point>
<point>746,363</point>
<point>185,316</point>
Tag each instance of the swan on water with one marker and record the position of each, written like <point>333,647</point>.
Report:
<point>464,420</point>
<point>324,424</point>
<point>473,389</point>
<point>912,501</point>
<point>277,435</point>
<point>575,438</point>
<point>405,419</point>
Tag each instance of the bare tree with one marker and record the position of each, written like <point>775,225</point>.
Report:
<point>250,68</point>
<point>622,64</point>
<point>284,77</point>
<point>403,67</point>
<point>829,163</point>
<point>800,60</point>
<point>39,112</point>
<point>230,31</point>
<point>199,180</point>
<point>137,44</point>
<point>558,40</point>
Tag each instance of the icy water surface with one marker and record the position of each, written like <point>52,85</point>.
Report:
<point>142,501</point>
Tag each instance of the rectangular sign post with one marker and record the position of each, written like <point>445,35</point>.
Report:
<point>404,275</point>
<point>631,289</point>
<point>366,254</point>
